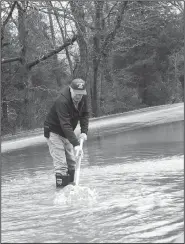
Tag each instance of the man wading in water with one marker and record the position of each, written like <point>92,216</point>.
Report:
<point>69,108</point>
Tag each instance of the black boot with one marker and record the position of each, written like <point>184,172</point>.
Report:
<point>71,173</point>
<point>62,180</point>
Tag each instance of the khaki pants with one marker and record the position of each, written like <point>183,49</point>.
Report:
<point>62,152</point>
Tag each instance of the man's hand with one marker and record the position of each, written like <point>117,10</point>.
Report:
<point>78,151</point>
<point>83,136</point>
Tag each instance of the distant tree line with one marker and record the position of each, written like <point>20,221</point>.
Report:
<point>131,54</point>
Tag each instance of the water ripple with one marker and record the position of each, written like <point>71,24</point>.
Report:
<point>129,194</point>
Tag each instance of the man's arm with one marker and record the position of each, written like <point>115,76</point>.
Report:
<point>84,118</point>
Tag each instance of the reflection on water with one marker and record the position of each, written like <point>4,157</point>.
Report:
<point>138,178</point>
<point>146,143</point>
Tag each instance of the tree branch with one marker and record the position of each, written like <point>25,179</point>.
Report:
<point>31,64</point>
<point>8,60</point>
<point>110,37</point>
<point>5,44</point>
<point>67,16</point>
<point>57,50</point>
<point>110,11</point>
<point>63,36</point>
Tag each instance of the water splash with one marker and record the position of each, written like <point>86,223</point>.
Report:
<point>73,195</point>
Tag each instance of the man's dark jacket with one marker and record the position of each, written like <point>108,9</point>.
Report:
<point>63,117</point>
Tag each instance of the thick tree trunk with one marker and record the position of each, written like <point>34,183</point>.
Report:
<point>97,39</point>
<point>24,71</point>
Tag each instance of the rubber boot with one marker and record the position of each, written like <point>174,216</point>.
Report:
<point>62,180</point>
<point>71,173</point>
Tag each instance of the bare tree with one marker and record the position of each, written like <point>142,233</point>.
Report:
<point>63,36</point>
<point>103,47</point>
<point>100,39</point>
<point>25,62</point>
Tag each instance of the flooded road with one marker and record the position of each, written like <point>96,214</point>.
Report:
<point>138,178</point>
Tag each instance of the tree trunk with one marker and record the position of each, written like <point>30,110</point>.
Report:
<point>4,110</point>
<point>96,57</point>
<point>55,59</point>
<point>101,47</point>
<point>106,80</point>
<point>78,13</point>
<point>24,71</point>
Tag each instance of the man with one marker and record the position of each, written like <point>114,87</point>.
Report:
<point>69,108</point>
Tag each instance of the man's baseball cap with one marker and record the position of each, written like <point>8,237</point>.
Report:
<point>78,86</point>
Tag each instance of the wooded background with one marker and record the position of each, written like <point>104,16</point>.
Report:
<point>130,53</point>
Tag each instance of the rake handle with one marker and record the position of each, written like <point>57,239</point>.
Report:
<point>77,169</point>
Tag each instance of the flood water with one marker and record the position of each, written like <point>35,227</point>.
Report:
<point>138,178</point>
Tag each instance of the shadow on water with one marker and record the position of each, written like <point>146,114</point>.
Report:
<point>138,179</point>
